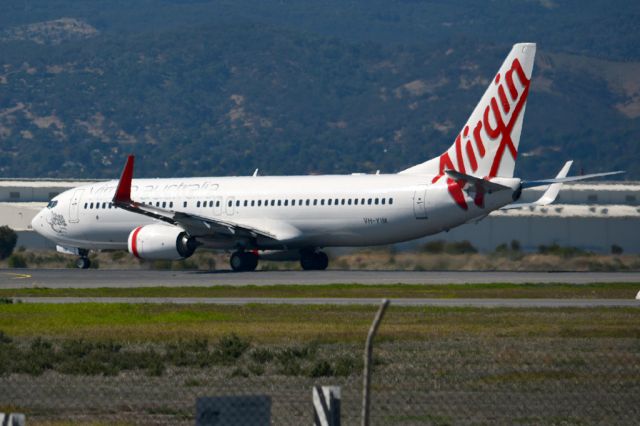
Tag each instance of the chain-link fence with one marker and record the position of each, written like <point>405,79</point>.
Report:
<point>506,380</point>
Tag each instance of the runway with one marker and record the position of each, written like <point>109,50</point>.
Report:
<point>91,278</point>
<point>483,303</point>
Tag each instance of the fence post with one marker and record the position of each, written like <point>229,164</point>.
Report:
<point>368,354</point>
<point>326,406</point>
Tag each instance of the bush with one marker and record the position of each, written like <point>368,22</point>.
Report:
<point>321,369</point>
<point>434,247</point>
<point>231,347</point>
<point>616,249</point>
<point>17,261</point>
<point>556,250</point>
<point>456,247</point>
<point>8,240</point>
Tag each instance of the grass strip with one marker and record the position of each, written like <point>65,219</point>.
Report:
<point>327,323</point>
<point>451,291</point>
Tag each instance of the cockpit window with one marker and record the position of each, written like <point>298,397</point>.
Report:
<point>52,204</point>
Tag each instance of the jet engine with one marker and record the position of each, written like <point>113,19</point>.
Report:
<point>161,242</point>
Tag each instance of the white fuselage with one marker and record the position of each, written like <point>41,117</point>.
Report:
<point>303,211</point>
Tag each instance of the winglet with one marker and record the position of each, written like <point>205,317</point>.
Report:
<point>123,192</point>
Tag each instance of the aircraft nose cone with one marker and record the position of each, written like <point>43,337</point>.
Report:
<point>37,223</point>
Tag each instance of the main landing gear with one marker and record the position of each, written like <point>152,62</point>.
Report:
<point>244,261</point>
<point>313,260</point>
<point>83,262</point>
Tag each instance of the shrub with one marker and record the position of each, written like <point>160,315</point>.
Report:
<point>556,250</point>
<point>616,249</point>
<point>347,365</point>
<point>261,355</point>
<point>231,347</point>
<point>434,247</point>
<point>321,369</point>
<point>17,261</point>
<point>455,247</point>
<point>8,240</point>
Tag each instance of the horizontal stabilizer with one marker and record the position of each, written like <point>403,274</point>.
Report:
<point>543,182</point>
<point>484,184</point>
<point>549,195</point>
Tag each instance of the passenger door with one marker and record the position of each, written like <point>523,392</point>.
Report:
<point>74,206</point>
<point>420,202</point>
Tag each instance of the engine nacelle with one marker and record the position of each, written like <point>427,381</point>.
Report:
<point>161,242</point>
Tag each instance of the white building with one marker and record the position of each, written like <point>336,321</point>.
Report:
<point>591,216</point>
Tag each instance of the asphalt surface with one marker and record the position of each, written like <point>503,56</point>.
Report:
<point>487,303</point>
<point>91,278</point>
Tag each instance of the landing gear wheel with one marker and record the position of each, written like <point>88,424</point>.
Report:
<point>83,263</point>
<point>243,261</point>
<point>314,261</point>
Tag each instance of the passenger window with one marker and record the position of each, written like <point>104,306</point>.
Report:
<point>390,200</point>
<point>184,204</point>
<point>383,200</point>
<point>286,203</point>
<point>362,201</point>
<point>369,201</point>
<point>315,202</point>
<point>164,204</point>
<point>211,203</point>
<point>198,204</point>
<point>259,203</point>
<point>349,201</point>
<point>328,202</point>
<point>85,205</point>
<point>308,202</point>
<point>376,201</point>
<point>355,201</point>
<point>171,204</point>
<point>343,201</point>
<point>238,203</point>
<point>246,203</point>
<point>322,202</point>
<point>218,203</point>
<point>273,203</point>
<point>279,202</point>
<point>253,203</point>
<point>230,203</point>
<point>293,202</point>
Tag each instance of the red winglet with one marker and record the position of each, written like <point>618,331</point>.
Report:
<point>123,193</point>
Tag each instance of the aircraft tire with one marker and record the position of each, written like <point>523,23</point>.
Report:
<point>83,263</point>
<point>314,261</point>
<point>243,261</point>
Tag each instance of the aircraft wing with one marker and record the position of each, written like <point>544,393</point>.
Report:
<point>195,225</point>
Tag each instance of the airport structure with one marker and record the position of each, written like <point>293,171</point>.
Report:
<point>593,217</point>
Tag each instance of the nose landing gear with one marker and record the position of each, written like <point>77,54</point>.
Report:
<point>244,261</point>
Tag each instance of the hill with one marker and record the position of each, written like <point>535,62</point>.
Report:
<point>221,88</point>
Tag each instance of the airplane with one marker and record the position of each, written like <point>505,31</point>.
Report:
<point>257,216</point>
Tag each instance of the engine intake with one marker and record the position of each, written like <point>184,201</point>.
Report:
<point>161,242</point>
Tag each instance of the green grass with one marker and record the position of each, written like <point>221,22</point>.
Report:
<point>497,290</point>
<point>326,323</point>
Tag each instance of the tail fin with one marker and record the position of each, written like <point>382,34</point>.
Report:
<point>487,146</point>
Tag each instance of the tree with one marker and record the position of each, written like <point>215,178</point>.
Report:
<point>8,240</point>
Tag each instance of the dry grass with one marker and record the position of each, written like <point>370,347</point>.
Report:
<point>383,258</point>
